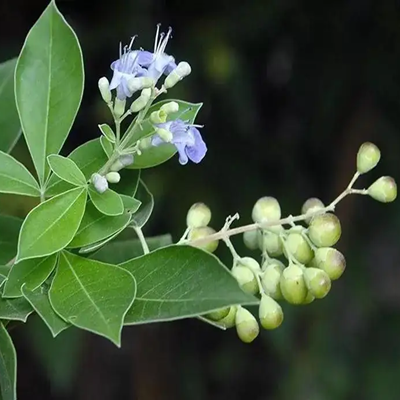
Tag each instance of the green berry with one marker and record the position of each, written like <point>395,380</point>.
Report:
<point>246,325</point>
<point>246,279</point>
<point>368,157</point>
<point>331,261</point>
<point>200,233</point>
<point>311,206</point>
<point>270,313</point>
<point>309,298</point>
<point>198,216</point>
<point>266,209</point>
<point>272,261</point>
<point>292,284</point>
<point>250,240</point>
<point>217,315</point>
<point>325,230</point>
<point>249,262</point>
<point>298,247</point>
<point>384,189</point>
<point>229,320</point>
<point>271,243</point>
<point>270,279</point>
<point>318,282</point>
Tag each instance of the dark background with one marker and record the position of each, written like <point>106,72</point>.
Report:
<point>290,90</point>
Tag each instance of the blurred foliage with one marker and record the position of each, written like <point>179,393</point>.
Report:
<point>290,91</point>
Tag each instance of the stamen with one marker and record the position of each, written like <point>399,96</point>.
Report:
<point>132,40</point>
<point>156,39</point>
<point>165,40</point>
<point>120,50</point>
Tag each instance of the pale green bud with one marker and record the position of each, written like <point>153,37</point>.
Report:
<point>104,87</point>
<point>245,278</point>
<point>135,84</point>
<point>199,215</point>
<point>250,240</point>
<point>331,261</point>
<point>113,177</point>
<point>325,230</point>
<point>181,71</point>
<point>141,101</point>
<point>99,183</point>
<point>270,313</point>
<point>170,108</point>
<point>270,279</point>
<point>384,189</point>
<point>246,325</point>
<point>217,315</point>
<point>122,162</point>
<point>145,143</point>
<point>368,157</point>
<point>271,243</point>
<point>203,232</point>
<point>164,134</point>
<point>298,247</point>
<point>311,206</point>
<point>293,286</point>
<point>249,262</point>
<point>119,107</point>
<point>318,282</point>
<point>158,117</point>
<point>229,320</point>
<point>266,209</point>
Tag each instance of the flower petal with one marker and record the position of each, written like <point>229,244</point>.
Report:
<point>197,151</point>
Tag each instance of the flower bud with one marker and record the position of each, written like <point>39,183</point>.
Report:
<point>164,134</point>
<point>384,189</point>
<point>311,206</point>
<point>170,107</point>
<point>250,240</point>
<point>270,313</point>
<point>266,209</point>
<point>181,71</point>
<point>293,286</point>
<point>251,263</point>
<point>99,183</point>
<point>245,278</point>
<point>271,243</point>
<point>270,279</point>
<point>217,315</point>
<point>246,325</point>
<point>135,84</point>
<point>113,177</point>
<point>298,247</point>
<point>229,320</point>
<point>318,282</point>
<point>158,117</point>
<point>119,107</point>
<point>203,232</point>
<point>199,215</point>
<point>122,162</point>
<point>145,143</point>
<point>104,87</point>
<point>368,157</point>
<point>324,230</point>
<point>141,101</point>
<point>331,261</point>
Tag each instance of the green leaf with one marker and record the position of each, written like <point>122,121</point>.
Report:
<point>39,300</point>
<point>96,226</point>
<point>15,178</point>
<point>92,295</point>
<point>15,309</point>
<point>123,250</point>
<point>89,158</point>
<point>10,126</point>
<point>51,225</point>
<point>92,247</point>
<point>180,282</point>
<point>2,279</point>
<point>48,86</point>
<point>107,132</point>
<point>130,203</point>
<point>129,182</point>
<point>8,366</point>
<point>152,155</point>
<point>140,218</point>
<point>9,232</point>
<point>107,147</point>
<point>32,273</point>
<point>108,203</point>
<point>66,170</point>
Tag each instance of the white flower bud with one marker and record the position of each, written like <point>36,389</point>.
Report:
<point>135,84</point>
<point>113,177</point>
<point>119,107</point>
<point>141,101</point>
<point>164,134</point>
<point>99,183</point>
<point>181,71</point>
<point>104,87</point>
<point>122,162</point>
<point>171,107</point>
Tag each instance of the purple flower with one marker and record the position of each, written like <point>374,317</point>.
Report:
<point>186,138</point>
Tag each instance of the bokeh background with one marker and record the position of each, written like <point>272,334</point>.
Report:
<point>290,90</point>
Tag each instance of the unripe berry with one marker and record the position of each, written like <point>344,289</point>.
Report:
<point>318,282</point>
<point>311,206</point>
<point>270,313</point>
<point>309,298</point>
<point>249,262</point>
<point>200,233</point>
<point>273,261</point>
<point>270,279</point>
<point>293,286</point>
<point>229,320</point>
<point>217,315</point>
<point>271,243</point>
<point>246,325</point>
<point>198,216</point>
<point>266,209</point>
<point>368,157</point>
<point>384,189</point>
<point>325,230</point>
<point>331,261</point>
<point>245,278</point>
<point>250,240</point>
<point>298,247</point>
